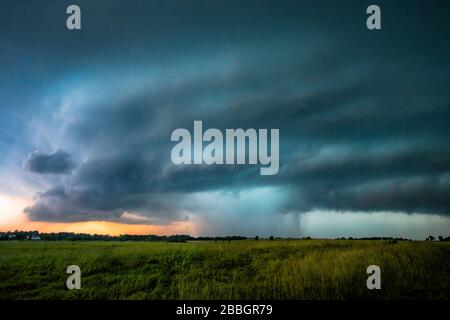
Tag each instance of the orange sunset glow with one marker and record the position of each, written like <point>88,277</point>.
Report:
<point>13,218</point>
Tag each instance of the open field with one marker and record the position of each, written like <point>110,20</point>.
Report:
<point>248,269</point>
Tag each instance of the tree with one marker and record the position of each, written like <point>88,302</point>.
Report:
<point>256,238</point>
<point>441,238</point>
<point>431,238</point>
<point>271,238</point>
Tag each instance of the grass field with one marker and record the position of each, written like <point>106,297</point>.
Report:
<point>279,269</point>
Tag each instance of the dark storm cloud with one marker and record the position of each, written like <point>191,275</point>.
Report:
<point>381,167</point>
<point>67,204</point>
<point>363,116</point>
<point>58,162</point>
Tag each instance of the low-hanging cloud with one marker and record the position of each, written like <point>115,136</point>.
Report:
<point>58,162</point>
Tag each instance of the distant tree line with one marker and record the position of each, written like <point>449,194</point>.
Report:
<point>429,238</point>
<point>440,238</point>
<point>376,238</point>
<point>70,236</point>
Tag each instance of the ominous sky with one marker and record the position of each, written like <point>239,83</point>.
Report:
<point>86,116</point>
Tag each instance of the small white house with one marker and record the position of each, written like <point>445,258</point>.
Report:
<point>35,237</point>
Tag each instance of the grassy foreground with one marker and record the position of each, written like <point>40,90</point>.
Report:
<point>280,269</point>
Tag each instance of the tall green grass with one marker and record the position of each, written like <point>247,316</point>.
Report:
<point>280,269</point>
